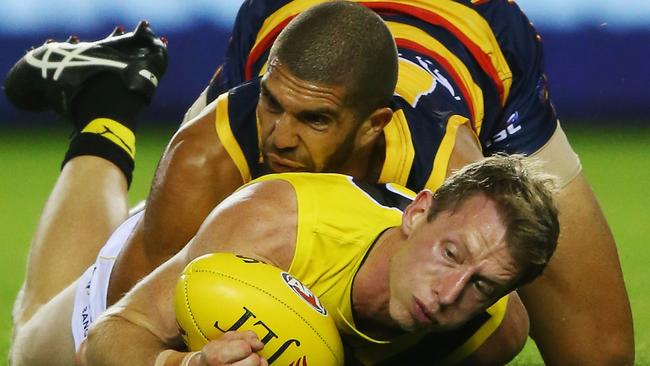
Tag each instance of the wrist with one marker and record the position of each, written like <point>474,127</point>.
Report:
<point>171,357</point>
<point>189,357</point>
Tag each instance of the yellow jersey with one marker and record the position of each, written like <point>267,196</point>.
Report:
<point>339,220</point>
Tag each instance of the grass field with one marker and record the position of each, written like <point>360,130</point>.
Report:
<point>617,163</point>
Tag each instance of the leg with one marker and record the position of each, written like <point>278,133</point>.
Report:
<point>88,200</point>
<point>579,310</point>
<point>87,203</point>
<point>582,291</point>
<point>46,338</point>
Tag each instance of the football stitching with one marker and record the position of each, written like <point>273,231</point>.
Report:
<point>189,310</point>
<point>272,296</point>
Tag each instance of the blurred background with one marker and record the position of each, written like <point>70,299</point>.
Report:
<point>597,52</point>
<point>596,59</point>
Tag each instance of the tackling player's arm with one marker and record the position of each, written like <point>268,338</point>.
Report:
<point>258,221</point>
<point>193,176</point>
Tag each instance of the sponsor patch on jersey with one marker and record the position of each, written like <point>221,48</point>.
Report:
<point>304,293</point>
<point>513,118</point>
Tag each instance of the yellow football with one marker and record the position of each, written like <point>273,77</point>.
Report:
<point>223,292</point>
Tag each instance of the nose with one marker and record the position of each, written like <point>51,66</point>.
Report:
<point>451,286</point>
<point>284,134</point>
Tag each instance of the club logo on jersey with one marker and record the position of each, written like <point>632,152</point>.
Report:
<point>423,79</point>
<point>304,293</point>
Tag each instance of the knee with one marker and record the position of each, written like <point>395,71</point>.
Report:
<point>18,350</point>
<point>24,339</point>
<point>33,343</point>
<point>618,352</point>
<point>15,356</point>
<point>618,347</point>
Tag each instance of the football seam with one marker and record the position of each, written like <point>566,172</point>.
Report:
<point>189,310</point>
<point>270,295</point>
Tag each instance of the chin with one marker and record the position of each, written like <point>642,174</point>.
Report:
<point>408,327</point>
<point>446,327</point>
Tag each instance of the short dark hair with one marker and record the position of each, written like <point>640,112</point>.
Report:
<point>524,197</point>
<point>342,43</point>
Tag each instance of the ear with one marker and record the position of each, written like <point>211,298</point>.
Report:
<point>417,211</point>
<point>374,125</point>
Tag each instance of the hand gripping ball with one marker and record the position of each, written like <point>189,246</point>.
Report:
<point>223,292</point>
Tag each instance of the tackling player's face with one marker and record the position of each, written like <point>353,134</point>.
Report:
<point>305,126</point>
<point>452,268</point>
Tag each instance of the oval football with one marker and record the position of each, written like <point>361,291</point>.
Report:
<point>223,292</point>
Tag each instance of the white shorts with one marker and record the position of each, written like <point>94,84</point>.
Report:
<point>92,286</point>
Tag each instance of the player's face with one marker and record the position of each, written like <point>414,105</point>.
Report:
<point>304,125</point>
<point>451,269</point>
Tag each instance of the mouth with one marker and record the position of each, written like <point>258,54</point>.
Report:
<point>422,314</point>
<point>280,164</point>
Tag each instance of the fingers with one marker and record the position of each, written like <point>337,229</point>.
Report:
<point>233,349</point>
<point>251,361</point>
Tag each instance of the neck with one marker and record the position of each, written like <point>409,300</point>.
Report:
<point>366,163</point>
<point>371,288</point>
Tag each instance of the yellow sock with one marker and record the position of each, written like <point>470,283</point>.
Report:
<point>120,135</point>
<point>107,139</point>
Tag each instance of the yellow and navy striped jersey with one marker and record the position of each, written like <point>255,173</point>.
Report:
<point>460,62</point>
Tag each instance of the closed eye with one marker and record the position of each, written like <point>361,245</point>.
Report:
<point>316,120</point>
<point>451,252</point>
<point>484,287</point>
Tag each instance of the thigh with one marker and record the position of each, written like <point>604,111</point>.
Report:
<point>74,225</point>
<point>46,338</point>
<point>579,308</point>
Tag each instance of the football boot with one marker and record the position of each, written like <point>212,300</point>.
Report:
<point>50,76</point>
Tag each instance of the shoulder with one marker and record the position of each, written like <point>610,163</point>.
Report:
<point>267,195</point>
<point>258,220</point>
<point>196,157</point>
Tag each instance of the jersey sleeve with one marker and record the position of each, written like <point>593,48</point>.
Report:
<point>528,118</point>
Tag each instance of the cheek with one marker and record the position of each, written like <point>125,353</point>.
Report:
<point>320,150</point>
<point>411,271</point>
<point>425,257</point>
<point>399,275</point>
<point>469,305</point>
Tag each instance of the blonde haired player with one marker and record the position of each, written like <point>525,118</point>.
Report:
<point>400,273</point>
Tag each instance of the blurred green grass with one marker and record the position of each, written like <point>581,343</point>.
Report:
<point>616,162</point>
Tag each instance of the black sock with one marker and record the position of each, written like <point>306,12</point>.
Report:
<point>106,96</point>
<point>105,114</point>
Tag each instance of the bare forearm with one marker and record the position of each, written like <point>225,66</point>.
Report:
<point>136,329</point>
<point>117,341</point>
